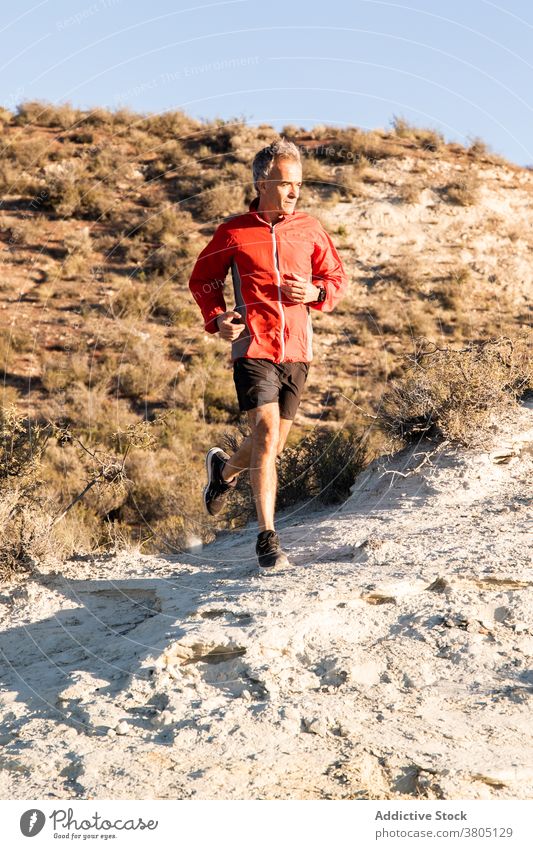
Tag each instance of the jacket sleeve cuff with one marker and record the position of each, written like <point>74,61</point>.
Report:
<point>211,323</point>
<point>320,305</point>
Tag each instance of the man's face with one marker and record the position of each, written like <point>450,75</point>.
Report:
<point>281,190</point>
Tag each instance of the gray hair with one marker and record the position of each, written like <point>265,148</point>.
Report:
<point>264,159</point>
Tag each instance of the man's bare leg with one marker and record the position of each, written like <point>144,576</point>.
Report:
<point>263,473</point>
<point>240,459</point>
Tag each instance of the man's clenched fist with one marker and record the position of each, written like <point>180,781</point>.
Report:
<point>299,289</point>
<point>230,325</point>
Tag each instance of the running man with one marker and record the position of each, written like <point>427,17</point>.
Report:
<point>283,264</point>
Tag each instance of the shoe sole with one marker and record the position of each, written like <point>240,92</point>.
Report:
<point>209,467</point>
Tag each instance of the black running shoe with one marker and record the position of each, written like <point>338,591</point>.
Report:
<point>268,550</point>
<point>217,488</point>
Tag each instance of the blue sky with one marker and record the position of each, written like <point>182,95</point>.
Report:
<point>465,68</point>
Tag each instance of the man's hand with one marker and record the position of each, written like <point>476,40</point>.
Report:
<point>230,325</point>
<point>299,289</point>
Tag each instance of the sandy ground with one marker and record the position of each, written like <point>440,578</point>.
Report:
<point>392,661</point>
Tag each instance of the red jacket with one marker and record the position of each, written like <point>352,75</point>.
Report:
<point>259,254</point>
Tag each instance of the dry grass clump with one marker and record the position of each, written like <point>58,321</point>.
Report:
<point>14,341</point>
<point>427,139</point>
<point>14,181</point>
<point>464,191</point>
<point>169,125</point>
<point>71,192</point>
<point>165,224</point>
<point>27,152</point>
<point>478,147</point>
<point>405,272</point>
<point>454,291</point>
<point>171,263</point>
<point>354,146</point>
<point>349,180</point>
<point>144,372</point>
<point>315,172</point>
<point>78,246</point>
<point>219,200</point>
<point>455,394</point>
<point>24,522</point>
<point>59,374</point>
<point>131,301</point>
<point>43,114</point>
<point>410,192</point>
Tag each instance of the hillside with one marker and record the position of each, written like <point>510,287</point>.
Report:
<point>102,217</point>
<point>392,662</point>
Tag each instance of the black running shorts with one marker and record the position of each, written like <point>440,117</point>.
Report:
<point>261,382</point>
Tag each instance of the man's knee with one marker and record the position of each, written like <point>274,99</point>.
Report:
<point>266,432</point>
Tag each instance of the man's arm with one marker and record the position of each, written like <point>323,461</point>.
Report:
<point>328,272</point>
<point>207,279</point>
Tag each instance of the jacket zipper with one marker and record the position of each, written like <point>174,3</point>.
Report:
<point>282,314</point>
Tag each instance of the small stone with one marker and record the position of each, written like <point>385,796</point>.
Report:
<point>246,696</point>
<point>111,732</point>
<point>315,725</point>
<point>122,728</point>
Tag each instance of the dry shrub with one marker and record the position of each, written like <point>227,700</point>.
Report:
<point>80,532</point>
<point>164,499</point>
<point>24,522</point>
<point>78,246</point>
<point>426,138</point>
<point>20,232</point>
<point>320,467</point>
<point>43,114</point>
<point>13,342</point>
<point>25,525</point>
<point>27,152</point>
<point>219,200</point>
<point>478,147</point>
<point>355,145</point>
<point>240,173</point>
<point>405,272</point>
<point>98,117</point>
<point>455,292</point>
<point>71,192</point>
<point>92,411</point>
<point>144,371</point>
<point>410,192</point>
<point>172,263</point>
<point>349,181</point>
<point>169,125</point>
<point>315,172</point>
<point>454,394</point>
<point>13,181</point>
<point>155,297</point>
<point>109,166</point>
<point>166,225</point>
<point>172,154</point>
<point>464,191</point>
<point>131,301</point>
